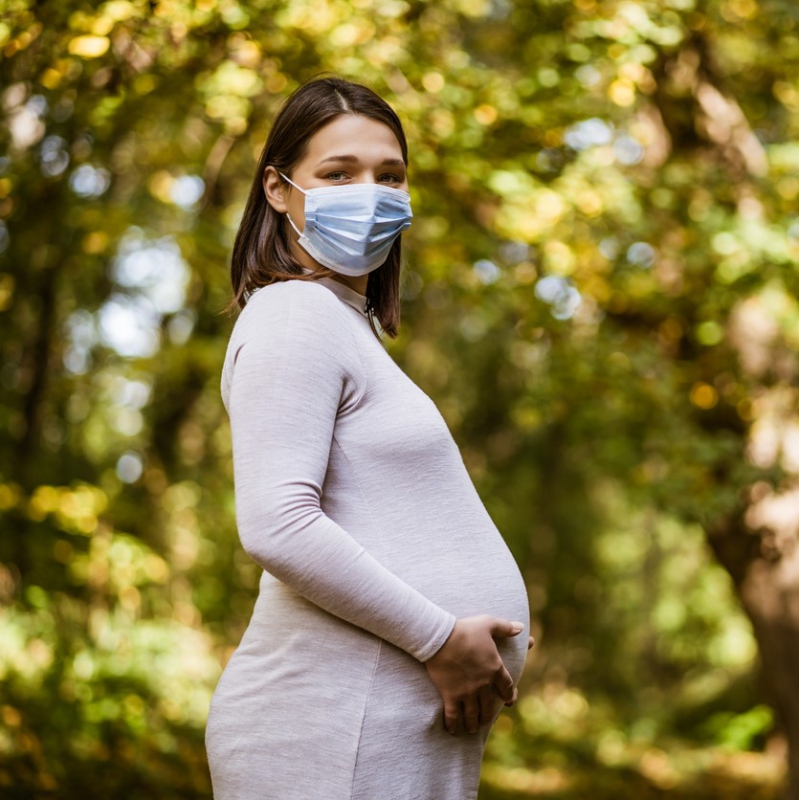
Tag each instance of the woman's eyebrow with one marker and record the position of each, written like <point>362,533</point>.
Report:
<point>350,159</point>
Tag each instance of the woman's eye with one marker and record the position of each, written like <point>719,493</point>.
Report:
<point>336,176</point>
<point>390,178</point>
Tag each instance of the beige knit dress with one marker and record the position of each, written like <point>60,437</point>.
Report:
<point>352,496</point>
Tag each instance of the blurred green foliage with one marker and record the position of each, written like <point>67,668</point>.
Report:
<point>600,295</point>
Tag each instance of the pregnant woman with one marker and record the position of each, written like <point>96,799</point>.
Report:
<point>387,632</point>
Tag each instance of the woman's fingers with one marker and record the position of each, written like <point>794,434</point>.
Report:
<point>471,713</point>
<point>530,643</point>
<point>503,683</point>
<point>488,704</point>
<point>505,628</point>
<point>513,699</point>
<point>451,715</point>
<point>468,671</point>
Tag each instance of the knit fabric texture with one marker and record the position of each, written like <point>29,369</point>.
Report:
<point>352,496</point>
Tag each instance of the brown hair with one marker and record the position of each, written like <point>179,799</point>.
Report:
<point>261,251</point>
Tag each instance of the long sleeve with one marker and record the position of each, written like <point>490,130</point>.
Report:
<point>292,370</point>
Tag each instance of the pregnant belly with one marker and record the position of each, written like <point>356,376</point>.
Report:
<point>478,577</point>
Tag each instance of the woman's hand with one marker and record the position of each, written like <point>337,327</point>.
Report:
<point>530,643</point>
<point>468,671</point>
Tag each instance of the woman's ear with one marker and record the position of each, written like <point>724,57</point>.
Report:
<point>275,190</point>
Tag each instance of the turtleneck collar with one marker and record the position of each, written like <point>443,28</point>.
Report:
<point>344,293</point>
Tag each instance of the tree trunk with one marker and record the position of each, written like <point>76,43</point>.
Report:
<point>765,568</point>
<point>771,598</point>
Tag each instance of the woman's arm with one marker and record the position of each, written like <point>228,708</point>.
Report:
<point>295,368</point>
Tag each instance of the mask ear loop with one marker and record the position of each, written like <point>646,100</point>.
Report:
<point>291,222</point>
<point>288,216</point>
<point>286,178</point>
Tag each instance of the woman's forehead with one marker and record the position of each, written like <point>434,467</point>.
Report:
<point>355,136</point>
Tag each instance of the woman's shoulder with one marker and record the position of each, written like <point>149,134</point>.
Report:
<point>294,320</point>
<point>294,295</point>
<point>297,313</point>
<point>290,303</point>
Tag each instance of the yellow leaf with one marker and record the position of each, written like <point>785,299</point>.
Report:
<point>89,46</point>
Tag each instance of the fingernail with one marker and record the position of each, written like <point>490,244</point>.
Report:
<point>517,626</point>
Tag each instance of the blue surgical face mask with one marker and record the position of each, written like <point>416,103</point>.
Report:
<point>351,228</point>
